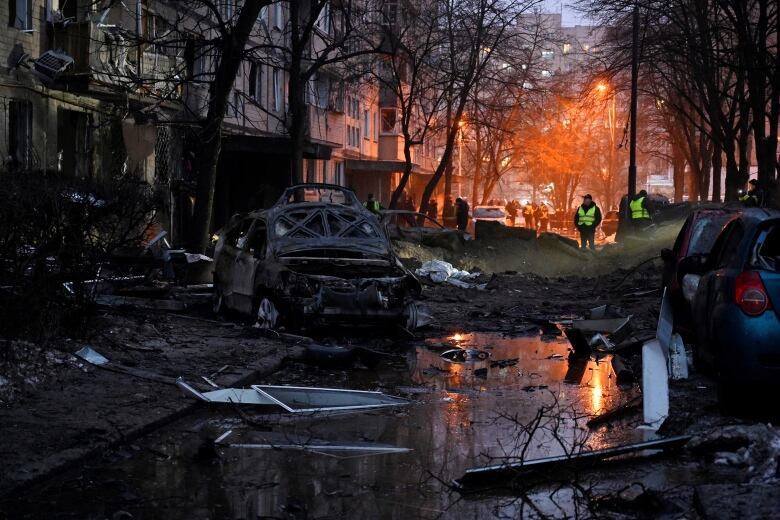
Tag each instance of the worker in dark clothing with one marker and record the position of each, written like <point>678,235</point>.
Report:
<point>586,219</point>
<point>461,213</point>
<point>640,211</point>
<point>754,198</point>
<point>543,218</point>
<point>433,209</point>
<point>528,215</point>
<point>373,205</point>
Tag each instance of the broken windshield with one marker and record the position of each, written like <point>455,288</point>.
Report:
<point>325,223</point>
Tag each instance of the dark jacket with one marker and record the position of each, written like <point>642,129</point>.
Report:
<point>597,217</point>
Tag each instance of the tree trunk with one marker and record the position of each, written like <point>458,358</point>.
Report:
<point>231,55</point>
<point>406,175</point>
<point>296,98</point>
<point>717,167</point>
<point>678,168</point>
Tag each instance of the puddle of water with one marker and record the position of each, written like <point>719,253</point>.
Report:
<point>463,414</point>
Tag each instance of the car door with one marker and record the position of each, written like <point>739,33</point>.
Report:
<point>250,253</point>
<point>714,285</point>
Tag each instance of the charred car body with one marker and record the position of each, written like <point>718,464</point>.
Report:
<point>316,257</point>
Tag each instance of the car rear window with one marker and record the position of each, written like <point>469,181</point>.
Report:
<point>705,232</point>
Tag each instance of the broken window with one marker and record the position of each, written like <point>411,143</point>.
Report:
<point>255,81</point>
<point>768,249</point>
<point>389,118</point>
<point>258,239</point>
<point>74,143</point>
<point>277,90</point>
<point>20,134</point>
<point>237,236</point>
<point>20,14</point>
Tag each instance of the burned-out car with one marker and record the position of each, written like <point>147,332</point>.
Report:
<point>316,257</point>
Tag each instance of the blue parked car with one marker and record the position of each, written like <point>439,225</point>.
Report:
<point>736,306</point>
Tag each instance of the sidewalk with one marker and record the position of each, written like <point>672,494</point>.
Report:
<point>84,409</point>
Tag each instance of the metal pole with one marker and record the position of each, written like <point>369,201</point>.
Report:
<point>634,95</point>
<point>460,156</point>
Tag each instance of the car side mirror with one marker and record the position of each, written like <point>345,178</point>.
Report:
<point>667,255</point>
<point>690,284</point>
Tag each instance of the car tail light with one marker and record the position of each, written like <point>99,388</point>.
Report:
<point>751,295</point>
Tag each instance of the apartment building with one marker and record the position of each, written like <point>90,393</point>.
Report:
<point>93,90</point>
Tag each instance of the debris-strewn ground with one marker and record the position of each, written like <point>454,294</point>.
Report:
<point>65,408</point>
<point>56,408</point>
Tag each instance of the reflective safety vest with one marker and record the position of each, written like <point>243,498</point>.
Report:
<point>637,211</point>
<point>372,205</point>
<point>586,218</point>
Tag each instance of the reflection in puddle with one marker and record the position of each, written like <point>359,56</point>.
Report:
<point>465,414</point>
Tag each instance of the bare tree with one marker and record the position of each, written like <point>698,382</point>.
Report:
<point>474,30</point>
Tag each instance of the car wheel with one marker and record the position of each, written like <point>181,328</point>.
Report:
<point>267,315</point>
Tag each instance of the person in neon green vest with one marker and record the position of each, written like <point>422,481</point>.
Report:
<point>639,210</point>
<point>373,205</point>
<point>586,219</point>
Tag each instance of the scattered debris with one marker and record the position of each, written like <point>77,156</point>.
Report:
<point>504,363</point>
<point>462,355</point>
<point>655,384</point>
<point>754,447</point>
<point>623,373</point>
<point>297,399</point>
<point>434,371</point>
<point>96,359</point>
<point>111,300</point>
<point>91,356</point>
<point>678,358</point>
<point>533,388</point>
<point>579,342</point>
<point>513,472</point>
<point>439,271</point>
<point>335,355</point>
<point>628,408</point>
<point>284,441</point>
